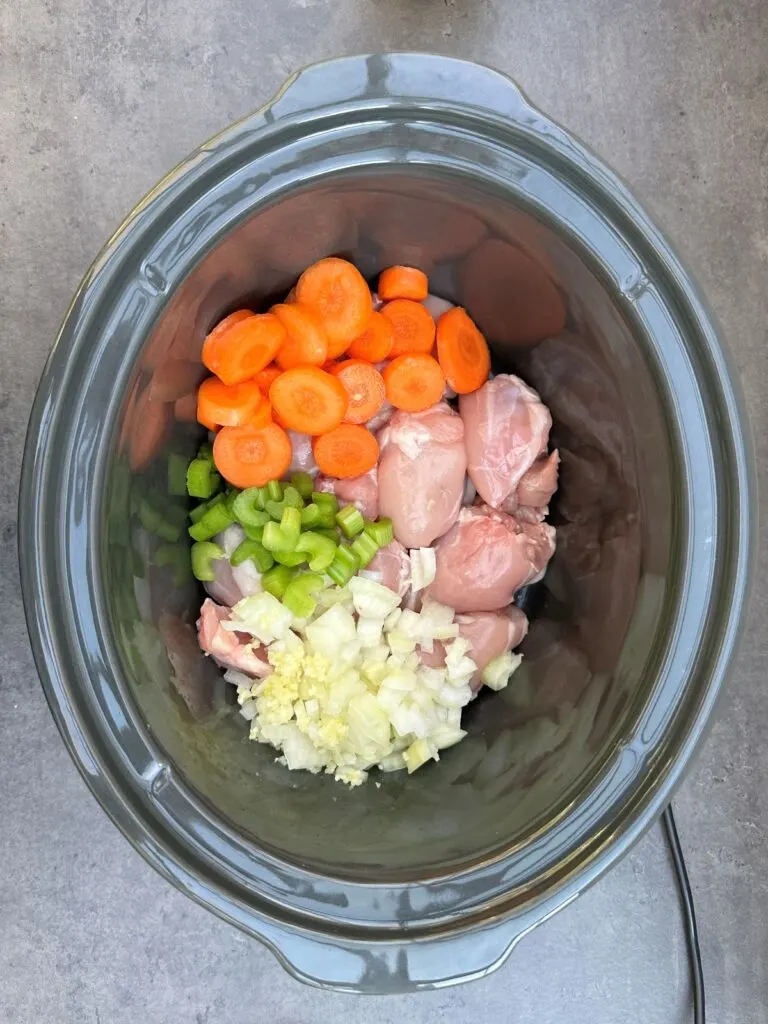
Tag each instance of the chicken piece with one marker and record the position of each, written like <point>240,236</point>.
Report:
<point>227,649</point>
<point>421,473</point>
<point>394,565</point>
<point>489,634</point>
<point>487,557</point>
<point>360,491</point>
<point>382,417</point>
<point>223,587</point>
<point>302,460</point>
<point>539,483</point>
<point>506,429</point>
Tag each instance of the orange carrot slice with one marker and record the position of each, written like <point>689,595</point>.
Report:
<point>307,343</point>
<point>309,400</point>
<point>337,292</point>
<point>462,351</point>
<point>265,377</point>
<point>365,388</point>
<point>349,450</point>
<point>376,341</point>
<point>414,328</point>
<point>252,456</point>
<point>414,381</point>
<point>244,348</point>
<point>228,405</point>
<point>262,417</point>
<point>403,283</point>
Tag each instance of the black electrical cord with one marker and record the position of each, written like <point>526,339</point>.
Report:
<point>689,914</point>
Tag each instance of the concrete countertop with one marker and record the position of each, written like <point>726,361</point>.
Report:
<point>98,101</point>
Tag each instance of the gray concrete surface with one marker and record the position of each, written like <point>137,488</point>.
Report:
<point>97,100</point>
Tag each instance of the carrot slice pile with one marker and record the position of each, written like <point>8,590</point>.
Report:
<point>365,388</point>
<point>413,327</point>
<point>307,343</point>
<point>228,405</point>
<point>265,377</point>
<point>462,351</point>
<point>414,381</point>
<point>229,321</point>
<point>252,456</point>
<point>347,451</point>
<point>309,400</point>
<point>375,343</point>
<point>403,283</point>
<point>337,292</point>
<point>244,348</point>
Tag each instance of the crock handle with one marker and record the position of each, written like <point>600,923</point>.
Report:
<point>398,78</point>
<point>389,968</point>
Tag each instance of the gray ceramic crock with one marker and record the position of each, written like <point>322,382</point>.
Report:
<point>407,882</point>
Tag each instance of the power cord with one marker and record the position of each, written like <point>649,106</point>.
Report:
<point>689,914</point>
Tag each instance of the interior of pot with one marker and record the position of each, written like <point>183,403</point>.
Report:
<point>532,748</point>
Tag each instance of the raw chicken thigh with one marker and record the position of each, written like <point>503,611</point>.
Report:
<point>489,634</point>
<point>506,430</point>
<point>302,460</point>
<point>487,557</point>
<point>394,565</point>
<point>224,645</point>
<point>421,473</point>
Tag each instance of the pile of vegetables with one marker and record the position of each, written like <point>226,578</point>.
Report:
<point>286,526</point>
<point>347,689</point>
<point>344,686</point>
<point>281,370</point>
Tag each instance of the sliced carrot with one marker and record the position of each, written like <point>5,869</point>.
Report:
<point>329,365</point>
<point>414,328</point>
<point>403,283</point>
<point>185,408</point>
<point>265,377</point>
<point>148,428</point>
<point>347,451</point>
<point>414,381</point>
<point>229,321</point>
<point>262,417</point>
<point>337,292</point>
<point>244,348</point>
<point>252,456</point>
<point>376,341</point>
<point>462,351</point>
<point>309,400</point>
<point>228,405</point>
<point>364,386</point>
<point>307,343</point>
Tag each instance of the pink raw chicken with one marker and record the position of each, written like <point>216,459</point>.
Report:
<point>302,460</point>
<point>506,429</point>
<point>489,634</point>
<point>394,565</point>
<point>487,557</point>
<point>225,646</point>
<point>421,473</point>
<point>360,491</point>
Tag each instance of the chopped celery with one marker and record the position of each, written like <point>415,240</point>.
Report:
<point>177,474</point>
<point>299,596</point>
<point>350,521</point>
<point>253,532</point>
<point>303,483</point>
<point>322,499</point>
<point>331,534</point>
<point>321,550</point>
<point>276,580</point>
<point>256,552</point>
<point>327,517</point>
<point>290,558</point>
<point>343,567</point>
<point>381,531</point>
<point>365,547</point>
<point>272,538</point>
<point>202,480</point>
<point>213,521</point>
<point>248,507</point>
<point>199,511</point>
<point>274,490</point>
<point>293,498</point>
<point>205,452</point>
<point>290,526</point>
<point>202,555</point>
<point>274,510</point>
<point>310,516</point>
